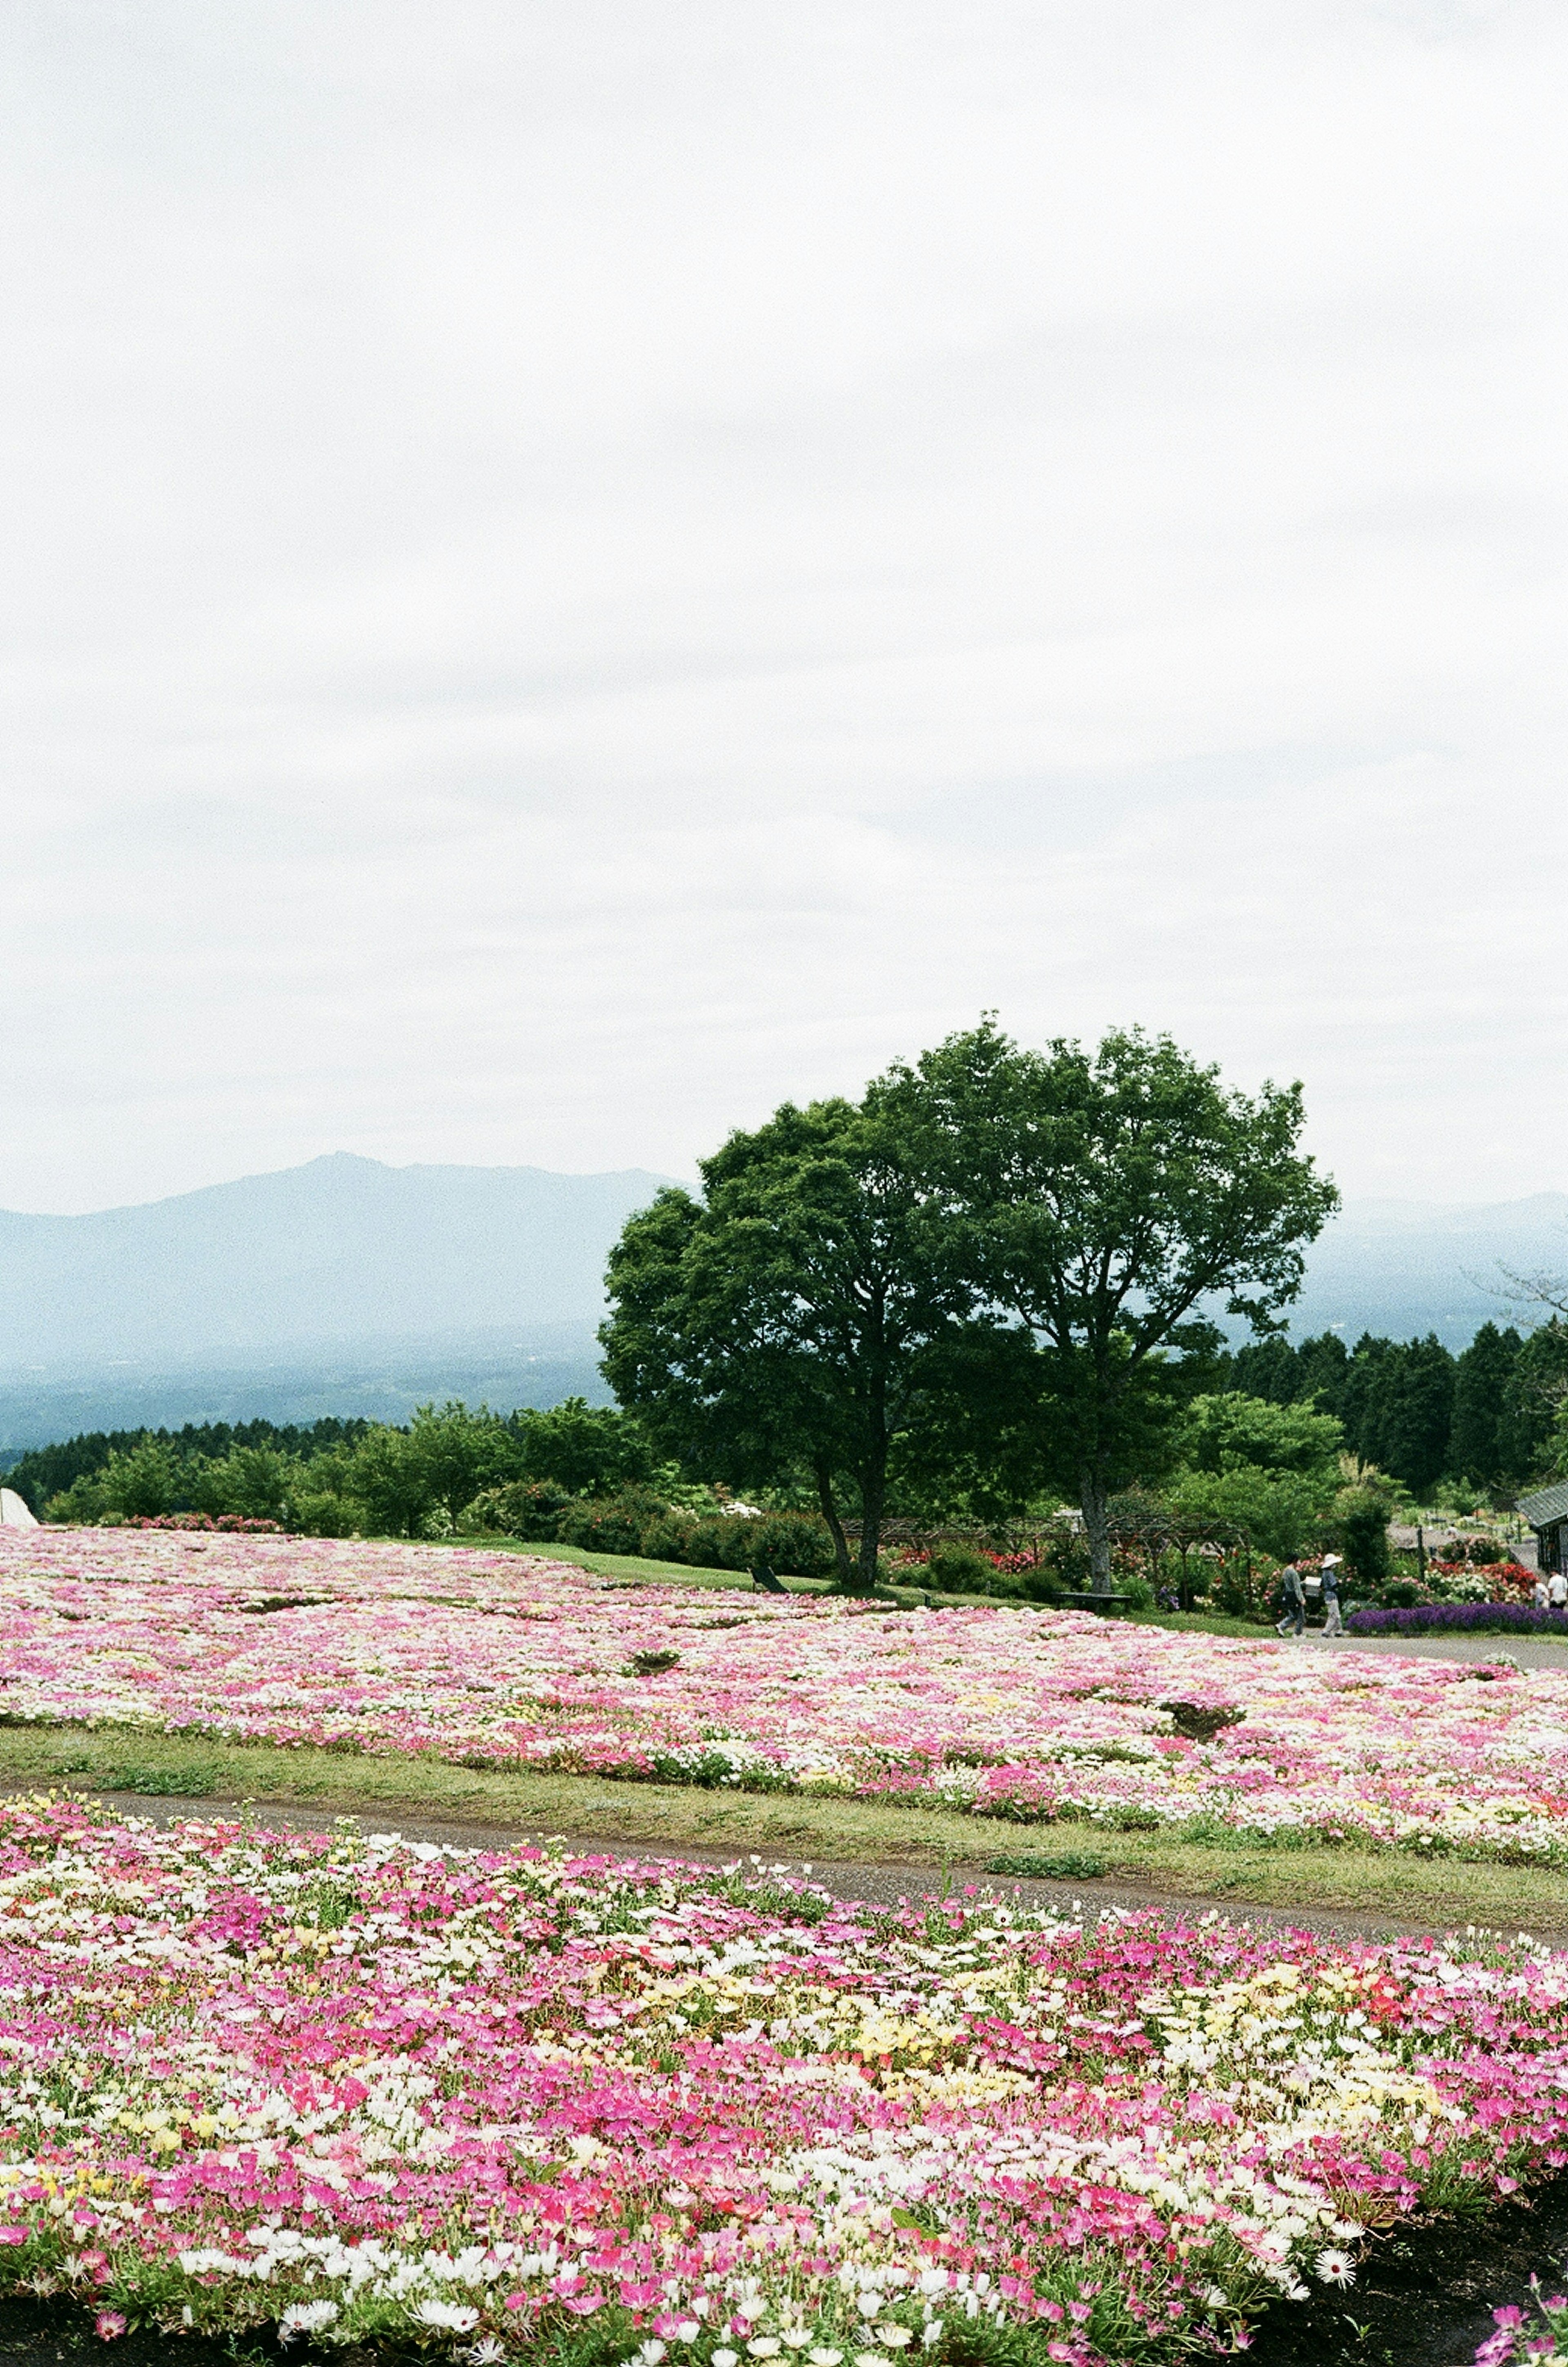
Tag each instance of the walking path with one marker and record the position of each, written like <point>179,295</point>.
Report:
<point>1529,1651</point>
<point>878,1885</point>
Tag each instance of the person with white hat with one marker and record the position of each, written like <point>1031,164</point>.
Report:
<point>1332,1622</point>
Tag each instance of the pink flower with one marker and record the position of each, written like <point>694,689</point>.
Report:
<point>109,2323</point>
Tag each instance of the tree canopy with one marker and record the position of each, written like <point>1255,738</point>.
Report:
<point>793,1318</point>
<point>1105,1200</point>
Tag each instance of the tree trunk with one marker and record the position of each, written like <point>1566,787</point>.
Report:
<point>843,1574</point>
<point>873,1474</point>
<point>873,1496</point>
<point>1097,1528</point>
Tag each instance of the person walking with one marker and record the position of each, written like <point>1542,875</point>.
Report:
<point>1294,1594</point>
<point>1332,1622</point>
<point>1557,1590</point>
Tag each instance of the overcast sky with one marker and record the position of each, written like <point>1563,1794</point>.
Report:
<point>573,571</point>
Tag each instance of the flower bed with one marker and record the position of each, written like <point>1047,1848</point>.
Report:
<point>1460,1618</point>
<point>496,1660</point>
<point>606,2114</point>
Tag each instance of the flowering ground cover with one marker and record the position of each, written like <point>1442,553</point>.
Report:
<point>1460,1618</point>
<point>494,1659</point>
<point>508,2102</point>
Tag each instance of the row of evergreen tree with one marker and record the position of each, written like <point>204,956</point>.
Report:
<point>1419,1412</point>
<point>45,1471</point>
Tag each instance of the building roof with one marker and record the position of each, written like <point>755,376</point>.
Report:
<point>1548,1504</point>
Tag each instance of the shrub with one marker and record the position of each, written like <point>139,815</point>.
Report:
<point>1139,1593</point>
<point>704,1544</point>
<point>798,1544</point>
<point>960,1569</point>
<point>667,1537</point>
<point>601,1524</point>
<point>1363,1532</point>
<point>325,1515</point>
<point>526,1509</point>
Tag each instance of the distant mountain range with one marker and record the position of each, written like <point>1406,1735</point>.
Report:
<point>1407,1267</point>
<point>347,1287</point>
<point>341,1287</point>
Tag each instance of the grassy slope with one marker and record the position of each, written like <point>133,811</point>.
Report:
<point>674,1573</point>
<point>1420,1892</point>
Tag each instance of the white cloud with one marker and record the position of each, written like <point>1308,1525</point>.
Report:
<point>574,573</point>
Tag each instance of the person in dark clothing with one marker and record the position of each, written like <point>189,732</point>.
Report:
<point>1294,1594</point>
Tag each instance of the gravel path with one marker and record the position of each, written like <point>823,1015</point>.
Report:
<point>881,1884</point>
<point>1529,1651</point>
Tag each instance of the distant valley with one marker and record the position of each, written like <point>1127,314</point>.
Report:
<point>347,1287</point>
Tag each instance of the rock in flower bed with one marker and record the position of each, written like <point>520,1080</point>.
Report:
<point>605,2112</point>
<point>1460,1619</point>
<point>493,1659</point>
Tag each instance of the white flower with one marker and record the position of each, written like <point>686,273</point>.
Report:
<point>931,2334</point>
<point>797,2336</point>
<point>651,2353</point>
<point>870,2305</point>
<point>307,2318</point>
<point>1335,2268</point>
<point>688,2330</point>
<point>873,2359</point>
<point>488,2352</point>
<point>766,2346</point>
<point>818,2358</point>
<point>455,2317</point>
<point>895,2337</point>
<point>726,2359</point>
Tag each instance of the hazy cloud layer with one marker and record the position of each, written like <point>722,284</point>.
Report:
<point>573,572</point>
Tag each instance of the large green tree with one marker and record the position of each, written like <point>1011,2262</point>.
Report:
<point>1104,1200</point>
<point>797,1316</point>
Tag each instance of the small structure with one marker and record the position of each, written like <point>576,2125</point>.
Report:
<point>1547,1512</point>
<point>14,1510</point>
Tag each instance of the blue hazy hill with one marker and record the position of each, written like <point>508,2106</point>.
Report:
<point>346,1287</point>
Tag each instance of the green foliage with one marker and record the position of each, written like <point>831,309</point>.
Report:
<point>1280,1510</point>
<point>1477,1441</point>
<point>1100,1200</point>
<point>613,1524</point>
<point>1268,1466</point>
<point>1530,1429</point>
<point>957,1570</point>
<point>525,1509</point>
<point>586,1450</point>
<point>137,1483</point>
<point>1268,1369</point>
<point>1237,1432</point>
<point>791,1318</point>
<point>1361,1515</point>
<point>1485,1417</point>
<point>44,1472</point>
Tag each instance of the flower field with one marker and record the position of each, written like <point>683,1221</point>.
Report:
<point>509,2102</point>
<point>497,1659</point>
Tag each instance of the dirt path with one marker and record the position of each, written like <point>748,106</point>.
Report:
<point>880,1884</point>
